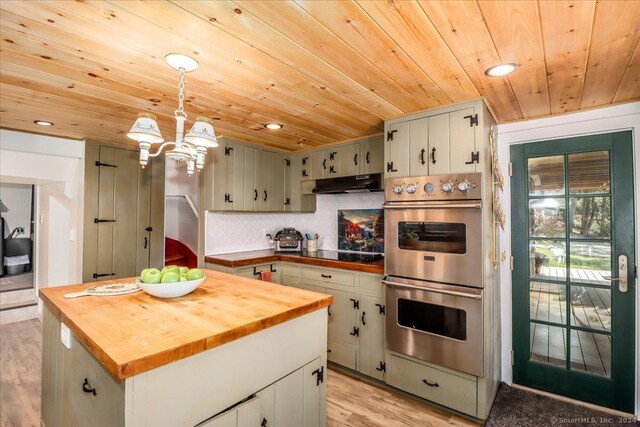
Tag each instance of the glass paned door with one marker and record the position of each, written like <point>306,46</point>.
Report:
<point>574,325</point>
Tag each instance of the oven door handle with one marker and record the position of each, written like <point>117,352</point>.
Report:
<point>476,204</point>
<point>436,290</point>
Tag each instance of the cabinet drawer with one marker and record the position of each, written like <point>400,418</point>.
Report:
<point>447,389</point>
<point>293,270</point>
<point>329,276</point>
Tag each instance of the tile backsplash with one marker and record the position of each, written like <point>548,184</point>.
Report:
<point>235,232</point>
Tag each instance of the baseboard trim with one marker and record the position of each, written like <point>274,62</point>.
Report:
<point>576,402</point>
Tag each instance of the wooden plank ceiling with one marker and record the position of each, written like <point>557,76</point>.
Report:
<point>330,71</point>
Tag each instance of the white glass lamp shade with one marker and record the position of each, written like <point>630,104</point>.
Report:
<point>202,134</point>
<point>146,129</point>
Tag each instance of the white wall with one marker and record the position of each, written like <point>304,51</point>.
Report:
<point>235,232</point>
<point>602,120</point>
<point>56,167</point>
<point>17,199</point>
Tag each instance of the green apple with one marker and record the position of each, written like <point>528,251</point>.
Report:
<point>195,274</point>
<point>183,270</point>
<point>170,277</point>
<point>173,268</point>
<point>183,277</point>
<point>150,275</point>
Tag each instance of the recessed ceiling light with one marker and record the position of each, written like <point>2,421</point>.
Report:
<point>501,70</point>
<point>177,61</point>
<point>274,126</point>
<point>43,123</point>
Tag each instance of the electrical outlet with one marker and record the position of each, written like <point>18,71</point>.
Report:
<point>65,335</point>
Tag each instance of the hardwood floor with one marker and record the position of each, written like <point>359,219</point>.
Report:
<point>350,402</point>
<point>20,347</point>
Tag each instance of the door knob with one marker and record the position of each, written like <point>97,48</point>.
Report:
<point>623,277</point>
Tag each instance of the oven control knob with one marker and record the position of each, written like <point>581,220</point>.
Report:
<point>428,187</point>
<point>464,186</point>
<point>411,188</point>
<point>447,187</point>
<point>397,189</point>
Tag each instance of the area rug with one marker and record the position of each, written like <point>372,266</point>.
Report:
<point>516,407</point>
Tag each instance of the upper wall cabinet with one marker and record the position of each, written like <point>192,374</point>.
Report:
<point>435,142</point>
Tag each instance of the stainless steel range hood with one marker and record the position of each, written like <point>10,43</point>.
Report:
<point>349,184</point>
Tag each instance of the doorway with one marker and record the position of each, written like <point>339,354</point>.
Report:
<point>574,268</point>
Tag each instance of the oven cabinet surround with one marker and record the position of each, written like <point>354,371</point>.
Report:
<point>446,140</point>
<point>356,317</point>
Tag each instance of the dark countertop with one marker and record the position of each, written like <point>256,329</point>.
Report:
<point>322,258</point>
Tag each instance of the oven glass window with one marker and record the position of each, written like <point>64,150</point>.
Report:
<point>436,319</point>
<point>443,237</point>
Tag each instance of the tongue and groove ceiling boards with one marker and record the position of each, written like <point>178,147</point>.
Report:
<point>330,71</point>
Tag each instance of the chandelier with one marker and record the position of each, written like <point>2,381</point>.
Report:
<point>190,148</point>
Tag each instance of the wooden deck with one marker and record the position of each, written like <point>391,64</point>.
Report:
<point>578,275</point>
<point>590,308</point>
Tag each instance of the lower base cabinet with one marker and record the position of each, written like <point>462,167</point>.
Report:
<point>293,401</point>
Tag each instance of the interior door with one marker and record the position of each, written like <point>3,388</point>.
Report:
<point>574,268</point>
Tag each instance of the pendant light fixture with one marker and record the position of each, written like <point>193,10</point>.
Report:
<point>190,148</point>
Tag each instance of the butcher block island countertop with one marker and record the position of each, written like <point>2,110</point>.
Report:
<point>134,333</point>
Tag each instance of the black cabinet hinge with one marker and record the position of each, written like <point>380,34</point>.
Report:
<point>390,134</point>
<point>287,201</point>
<point>332,155</point>
<point>332,169</point>
<point>356,303</point>
<point>287,162</point>
<point>473,120</point>
<point>304,160</point>
<point>98,220</point>
<point>106,165</point>
<point>475,158</point>
<point>304,172</point>
<point>227,198</point>
<point>98,275</point>
<point>382,368</point>
<point>356,332</point>
<point>381,307</point>
<point>149,229</point>
<point>319,375</point>
<point>227,151</point>
<point>390,167</point>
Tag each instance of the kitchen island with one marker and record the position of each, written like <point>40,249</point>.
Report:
<point>139,360</point>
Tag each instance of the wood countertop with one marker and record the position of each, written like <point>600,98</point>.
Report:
<point>321,259</point>
<point>134,333</point>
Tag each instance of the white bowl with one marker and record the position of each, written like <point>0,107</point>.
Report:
<point>170,290</point>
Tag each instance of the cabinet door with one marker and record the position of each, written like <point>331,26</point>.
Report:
<point>319,164</point>
<point>263,192</point>
<point>371,351</point>
<point>249,413</point>
<point>276,202</point>
<point>311,394</point>
<point>305,166</point>
<point>439,145</point>
<point>235,178</point>
<point>289,400</point>
<point>462,140</point>
<point>333,163</point>
<point>372,156</point>
<point>226,419</point>
<point>217,199</point>
<point>350,159</point>
<point>289,168</point>
<point>343,328</point>
<point>418,145</point>
<point>396,150</point>
<point>250,190</point>
<point>268,405</point>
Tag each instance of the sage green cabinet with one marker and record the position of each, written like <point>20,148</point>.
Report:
<point>371,351</point>
<point>372,156</point>
<point>251,178</point>
<point>319,168</point>
<point>245,414</point>
<point>351,159</point>
<point>396,150</point>
<point>226,191</point>
<point>333,163</point>
<point>343,328</point>
<point>449,140</point>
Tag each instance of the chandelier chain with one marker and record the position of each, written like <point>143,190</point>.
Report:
<point>180,110</point>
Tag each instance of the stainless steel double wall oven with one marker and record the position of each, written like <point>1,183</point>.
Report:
<point>433,267</point>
